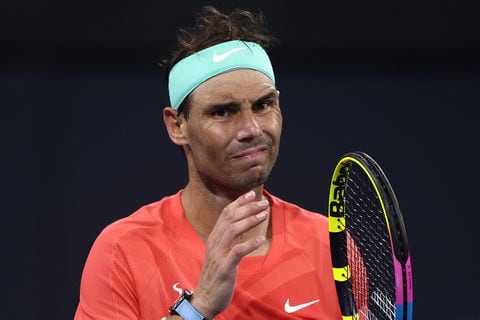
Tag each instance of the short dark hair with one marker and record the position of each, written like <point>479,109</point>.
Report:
<point>213,27</point>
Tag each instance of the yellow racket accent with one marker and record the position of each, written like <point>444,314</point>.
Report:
<point>354,317</point>
<point>341,274</point>
<point>336,224</point>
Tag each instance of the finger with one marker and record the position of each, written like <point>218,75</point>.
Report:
<point>231,234</point>
<point>242,249</point>
<point>238,217</point>
<point>237,211</point>
<point>243,200</point>
<point>239,228</point>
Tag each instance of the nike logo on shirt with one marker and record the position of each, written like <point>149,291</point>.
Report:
<point>177,289</point>
<point>291,309</point>
<point>220,57</point>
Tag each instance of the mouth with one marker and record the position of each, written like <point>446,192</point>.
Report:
<point>251,153</point>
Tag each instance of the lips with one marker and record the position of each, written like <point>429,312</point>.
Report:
<point>251,153</point>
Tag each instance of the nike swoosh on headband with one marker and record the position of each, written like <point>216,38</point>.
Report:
<point>220,57</point>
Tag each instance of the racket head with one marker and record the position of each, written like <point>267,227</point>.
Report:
<point>368,240</point>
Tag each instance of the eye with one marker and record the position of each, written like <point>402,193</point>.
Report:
<point>221,112</point>
<point>264,105</point>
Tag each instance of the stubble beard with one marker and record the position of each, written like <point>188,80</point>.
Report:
<point>236,182</point>
<point>249,180</point>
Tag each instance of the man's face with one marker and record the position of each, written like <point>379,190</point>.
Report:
<point>234,129</point>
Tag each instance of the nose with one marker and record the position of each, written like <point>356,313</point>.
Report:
<point>249,127</point>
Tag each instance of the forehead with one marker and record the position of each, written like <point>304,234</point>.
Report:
<point>237,84</point>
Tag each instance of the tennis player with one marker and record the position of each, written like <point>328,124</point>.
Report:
<point>222,247</point>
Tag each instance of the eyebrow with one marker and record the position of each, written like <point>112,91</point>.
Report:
<point>234,104</point>
<point>270,95</point>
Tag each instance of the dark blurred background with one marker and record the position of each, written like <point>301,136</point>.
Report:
<point>81,96</point>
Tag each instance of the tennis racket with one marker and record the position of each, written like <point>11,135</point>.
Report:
<point>369,247</point>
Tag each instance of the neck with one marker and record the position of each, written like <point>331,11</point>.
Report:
<point>203,206</point>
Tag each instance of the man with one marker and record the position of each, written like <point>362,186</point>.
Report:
<point>244,253</point>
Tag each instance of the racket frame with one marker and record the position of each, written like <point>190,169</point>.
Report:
<point>396,229</point>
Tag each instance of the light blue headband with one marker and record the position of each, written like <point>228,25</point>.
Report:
<point>190,72</point>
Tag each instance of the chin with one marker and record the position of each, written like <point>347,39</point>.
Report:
<point>251,181</point>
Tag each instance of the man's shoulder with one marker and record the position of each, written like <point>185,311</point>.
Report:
<point>149,220</point>
<point>138,241</point>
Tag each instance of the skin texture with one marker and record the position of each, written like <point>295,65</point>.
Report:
<point>231,141</point>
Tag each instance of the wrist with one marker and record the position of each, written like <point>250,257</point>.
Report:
<point>202,306</point>
<point>187,309</point>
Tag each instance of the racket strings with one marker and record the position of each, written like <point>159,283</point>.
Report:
<point>373,282</point>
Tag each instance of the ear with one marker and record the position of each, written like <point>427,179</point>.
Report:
<point>176,126</point>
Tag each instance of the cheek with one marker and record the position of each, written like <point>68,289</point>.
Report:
<point>207,143</point>
<point>273,125</point>
<point>279,122</point>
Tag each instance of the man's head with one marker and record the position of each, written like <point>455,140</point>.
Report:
<point>213,27</point>
<point>229,124</point>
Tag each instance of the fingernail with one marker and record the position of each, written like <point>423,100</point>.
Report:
<point>261,215</point>
<point>262,203</point>
<point>250,195</point>
<point>260,239</point>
